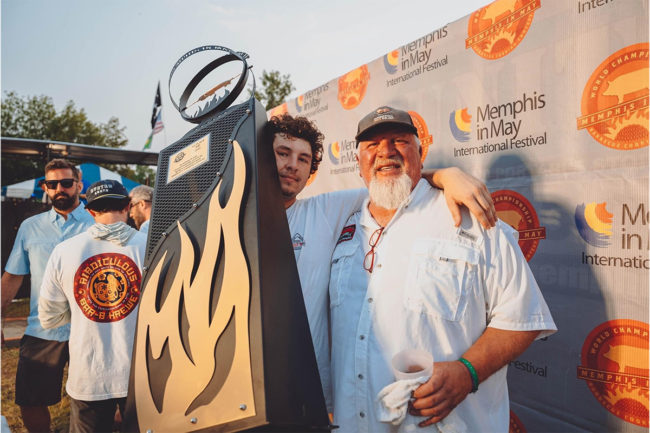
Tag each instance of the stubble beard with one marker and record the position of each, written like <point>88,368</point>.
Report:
<point>389,193</point>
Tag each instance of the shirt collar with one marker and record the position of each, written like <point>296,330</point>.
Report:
<point>75,214</point>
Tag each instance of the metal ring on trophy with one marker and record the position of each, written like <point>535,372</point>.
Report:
<point>216,103</point>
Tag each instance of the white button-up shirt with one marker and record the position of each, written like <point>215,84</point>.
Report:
<point>433,287</point>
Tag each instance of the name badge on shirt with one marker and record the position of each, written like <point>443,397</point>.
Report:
<point>347,233</point>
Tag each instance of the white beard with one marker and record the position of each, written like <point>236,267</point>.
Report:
<point>390,193</point>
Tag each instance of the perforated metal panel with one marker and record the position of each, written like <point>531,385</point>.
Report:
<point>172,200</point>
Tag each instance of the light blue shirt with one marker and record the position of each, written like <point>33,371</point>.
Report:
<point>144,228</point>
<point>37,237</point>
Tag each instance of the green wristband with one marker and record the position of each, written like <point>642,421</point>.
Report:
<point>472,373</point>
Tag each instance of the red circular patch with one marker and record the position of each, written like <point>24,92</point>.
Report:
<point>516,426</point>
<point>615,367</point>
<point>107,287</point>
<point>516,211</point>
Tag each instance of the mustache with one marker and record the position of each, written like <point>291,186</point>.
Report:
<point>397,160</point>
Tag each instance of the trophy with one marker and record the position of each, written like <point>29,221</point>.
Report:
<point>222,341</point>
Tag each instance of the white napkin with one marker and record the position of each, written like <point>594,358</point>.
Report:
<point>392,402</point>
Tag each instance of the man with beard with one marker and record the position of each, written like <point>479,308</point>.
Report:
<point>43,353</point>
<point>315,222</point>
<point>404,277</point>
<point>140,207</point>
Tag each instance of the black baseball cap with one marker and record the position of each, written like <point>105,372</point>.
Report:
<point>108,189</point>
<point>383,116</point>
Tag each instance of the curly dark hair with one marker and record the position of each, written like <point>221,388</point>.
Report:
<point>300,127</point>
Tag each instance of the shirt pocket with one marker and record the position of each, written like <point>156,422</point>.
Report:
<point>340,269</point>
<point>442,274</point>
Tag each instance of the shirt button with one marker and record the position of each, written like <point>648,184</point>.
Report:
<point>362,337</point>
<point>362,414</point>
<point>360,376</point>
<point>370,300</point>
<point>379,265</point>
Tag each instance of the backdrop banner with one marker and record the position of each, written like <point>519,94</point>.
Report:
<point>547,102</point>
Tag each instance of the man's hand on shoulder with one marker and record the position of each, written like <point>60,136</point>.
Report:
<point>461,188</point>
<point>436,398</point>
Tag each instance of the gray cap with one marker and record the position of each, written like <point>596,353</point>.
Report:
<point>382,116</point>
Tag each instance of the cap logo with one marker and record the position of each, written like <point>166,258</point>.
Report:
<point>382,110</point>
<point>383,117</point>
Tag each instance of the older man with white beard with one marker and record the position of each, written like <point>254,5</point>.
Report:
<point>402,279</point>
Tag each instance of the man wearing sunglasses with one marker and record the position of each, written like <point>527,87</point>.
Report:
<point>315,222</point>
<point>43,353</point>
<point>140,210</point>
<point>403,276</point>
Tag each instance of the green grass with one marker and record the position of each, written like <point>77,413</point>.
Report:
<point>17,308</point>
<point>60,413</point>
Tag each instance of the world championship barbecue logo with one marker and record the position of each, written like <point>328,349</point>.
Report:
<point>614,108</point>
<point>426,139</point>
<point>352,87</point>
<point>460,124</point>
<point>279,110</point>
<point>516,426</point>
<point>516,211</point>
<point>594,223</point>
<point>496,29</point>
<point>107,287</point>
<point>615,367</point>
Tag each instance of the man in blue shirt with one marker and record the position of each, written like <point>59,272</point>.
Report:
<point>43,353</point>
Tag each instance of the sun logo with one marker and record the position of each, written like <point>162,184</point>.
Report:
<point>498,28</point>
<point>300,102</point>
<point>614,104</point>
<point>594,224</point>
<point>460,124</point>
<point>391,61</point>
<point>334,152</point>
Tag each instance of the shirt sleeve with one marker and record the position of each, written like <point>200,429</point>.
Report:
<point>514,300</point>
<point>339,205</point>
<point>18,262</point>
<point>53,314</point>
<point>52,285</point>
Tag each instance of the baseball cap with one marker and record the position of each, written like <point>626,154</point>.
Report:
<point>382,116</point>
<point>105,190</point>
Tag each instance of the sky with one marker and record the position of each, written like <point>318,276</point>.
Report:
<point>108,56</point>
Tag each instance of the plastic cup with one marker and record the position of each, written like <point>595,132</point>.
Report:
<point>412,364</point>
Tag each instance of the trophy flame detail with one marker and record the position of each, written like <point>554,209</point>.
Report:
<point>196,394</point>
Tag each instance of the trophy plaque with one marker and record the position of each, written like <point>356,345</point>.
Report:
<point>222,341</point>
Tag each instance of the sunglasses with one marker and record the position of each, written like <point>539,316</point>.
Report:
<point>65,183</point>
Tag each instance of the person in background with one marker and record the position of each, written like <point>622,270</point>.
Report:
<point>43,352</point>
<point>92,281</point>
<point>141,203</point>
<point>403,276</point>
